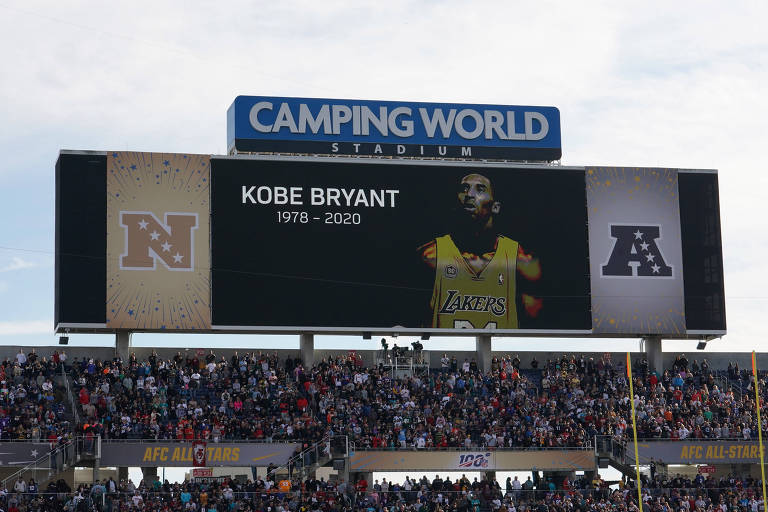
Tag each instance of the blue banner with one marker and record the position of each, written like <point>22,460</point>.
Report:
<point>389,128</point>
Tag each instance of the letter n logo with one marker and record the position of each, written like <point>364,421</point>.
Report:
<point>148,240</point>
<point>635,253</point>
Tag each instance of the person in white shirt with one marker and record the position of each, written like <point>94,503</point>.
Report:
<point>20,485</point>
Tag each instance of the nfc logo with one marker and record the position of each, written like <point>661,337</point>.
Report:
<point>635,253</point>
<point>147,240</point>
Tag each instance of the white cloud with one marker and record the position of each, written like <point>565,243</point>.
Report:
<point>18,264</point>
<point>26,327</point>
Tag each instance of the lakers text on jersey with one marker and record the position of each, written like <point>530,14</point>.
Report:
<point>464,299</point>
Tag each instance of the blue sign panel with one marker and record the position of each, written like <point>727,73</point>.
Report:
<point>390,128</point>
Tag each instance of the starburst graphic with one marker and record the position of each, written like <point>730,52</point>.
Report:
<point>158,298</point>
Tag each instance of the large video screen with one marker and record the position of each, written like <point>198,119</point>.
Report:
<point>158,242</point>
<point>331,244</point>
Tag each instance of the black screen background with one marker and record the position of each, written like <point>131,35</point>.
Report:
<point>81,238</point>
<point>318,275</point>
<point>702,252</point>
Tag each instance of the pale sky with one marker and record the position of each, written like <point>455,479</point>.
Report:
<point>663,84</point>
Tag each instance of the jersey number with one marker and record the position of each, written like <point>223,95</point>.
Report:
<point>466,324</point>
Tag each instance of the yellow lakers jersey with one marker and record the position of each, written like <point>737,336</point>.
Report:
<point>462,299</point>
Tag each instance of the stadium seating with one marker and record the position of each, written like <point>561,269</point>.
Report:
<point>705,494</point>
<point>564,403</point>
<point>32,403</point>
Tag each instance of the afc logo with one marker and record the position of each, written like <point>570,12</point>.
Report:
<point>635,253</point>
<point>147,240</point>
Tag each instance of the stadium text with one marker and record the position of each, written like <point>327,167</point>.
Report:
<point>349,197</point>
<point>468,123</point>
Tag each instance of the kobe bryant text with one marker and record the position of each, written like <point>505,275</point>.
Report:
<point>320,196</point>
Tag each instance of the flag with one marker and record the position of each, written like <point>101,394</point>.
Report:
<point>198,454</point>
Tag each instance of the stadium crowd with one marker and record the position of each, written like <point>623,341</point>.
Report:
<point>662,494</point>
<point>564,402</point>
<point>32,404</point>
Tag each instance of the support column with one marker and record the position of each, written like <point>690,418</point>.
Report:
<point>307,348</point>
<point>123,345</point>
<point>653,354</point>
<point>483,348</point>
<point>150,475</point>
<point>97,459</point>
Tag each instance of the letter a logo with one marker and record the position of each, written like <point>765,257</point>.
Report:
<point>635,253</point>
<point>148,240</point>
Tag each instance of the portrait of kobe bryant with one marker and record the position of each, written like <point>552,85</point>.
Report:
<point>479,273</point>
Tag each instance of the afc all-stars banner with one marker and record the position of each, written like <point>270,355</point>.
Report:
<point>635,253</point>
<point>158,260</point>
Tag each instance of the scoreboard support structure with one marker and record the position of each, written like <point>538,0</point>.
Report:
<point>652,345</point>
<point>483,349</point>
<point>307,349</point>
<point>123,345</point>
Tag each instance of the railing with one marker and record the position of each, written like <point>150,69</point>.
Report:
<point>41,469</point>
<point>586,446</point>
<point>88,447</point>
<point>350,495</point>
<point>223,440</point>
<point>407,360</point>
<point>70,396</point>
<point>316,454</point>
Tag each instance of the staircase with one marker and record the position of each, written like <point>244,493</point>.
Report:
<point>614,453</point>
<point>46,468</point>
<point>304,463</point>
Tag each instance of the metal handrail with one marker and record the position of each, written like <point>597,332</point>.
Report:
<point>300,456</point>
<point>474,448</point>
<point>115,440</point>
<point>70,396</point>
<point>689,439</point>
<point>37,464</point>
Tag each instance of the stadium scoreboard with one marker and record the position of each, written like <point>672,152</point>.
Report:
<point>198,243</point>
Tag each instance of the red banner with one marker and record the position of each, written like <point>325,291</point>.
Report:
<point>198,454</point>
